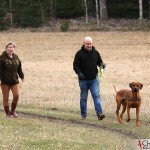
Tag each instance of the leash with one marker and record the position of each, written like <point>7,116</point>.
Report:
<point>102,76</point>
<point>101,72</point>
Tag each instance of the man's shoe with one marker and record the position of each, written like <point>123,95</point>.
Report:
<point>101,116</point>
<point>84,117</point>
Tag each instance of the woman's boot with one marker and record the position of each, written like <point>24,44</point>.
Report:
<point>13,108</point>
<point>7,111</point>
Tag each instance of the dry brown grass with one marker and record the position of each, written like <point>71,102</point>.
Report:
<point>49,77</point>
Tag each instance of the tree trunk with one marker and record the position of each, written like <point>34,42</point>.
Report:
<point>103,10</point>
<point>51,9</point>
<point>42,13</point>
<point>149,9</point>
<point>86,11</point>
<point>10,9</point>
<point>97,16</point>
<point>140,10</point>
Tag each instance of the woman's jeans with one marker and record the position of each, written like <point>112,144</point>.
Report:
<point>93,86</point>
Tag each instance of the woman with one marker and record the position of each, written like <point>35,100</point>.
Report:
<point>10,68</point>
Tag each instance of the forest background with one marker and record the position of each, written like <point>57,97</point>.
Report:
<point>75,15</point>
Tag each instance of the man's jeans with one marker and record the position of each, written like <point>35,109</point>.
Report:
<point>93,86</point>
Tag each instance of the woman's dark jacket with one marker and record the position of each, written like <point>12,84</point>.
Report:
<point>10,68</point>
<point>86,62</point>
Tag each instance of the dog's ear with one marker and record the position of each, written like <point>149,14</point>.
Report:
<point>130,85</point>
<point>141,85</point>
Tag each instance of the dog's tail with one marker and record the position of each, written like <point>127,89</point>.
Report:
<point>115,88</point>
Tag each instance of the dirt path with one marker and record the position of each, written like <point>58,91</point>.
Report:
<point>128,134</point>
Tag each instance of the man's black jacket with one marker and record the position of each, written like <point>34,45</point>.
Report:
<point>86,62</point>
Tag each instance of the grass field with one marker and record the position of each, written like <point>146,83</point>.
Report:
<point>49,115</point>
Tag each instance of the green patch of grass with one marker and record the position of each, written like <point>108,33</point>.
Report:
<point>110,122</point>
<point>54,144</point>
<point>61,128</point>
<point>30,132</point>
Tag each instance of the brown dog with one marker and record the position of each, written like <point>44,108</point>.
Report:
<point>129,99</point>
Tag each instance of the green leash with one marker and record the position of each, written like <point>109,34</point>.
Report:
<point>101,72</point>
<point>102,76</point>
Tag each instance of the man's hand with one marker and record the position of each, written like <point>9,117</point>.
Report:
<point>81,76</point>
<point>103,65</point>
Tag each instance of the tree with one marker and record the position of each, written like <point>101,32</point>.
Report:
<point>27,13</point>
<point>51,9</point>
<point>97,15</point>
<point>10,9</point>
<point>149,9</point>
<point>140,9</point>
<point>103,10</point>
<point>69,9</point>
<point>86,11</point>
<point>4,18</point>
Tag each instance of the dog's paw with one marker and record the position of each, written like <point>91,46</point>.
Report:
<point>128,120</point>
<point>120,121</point>
<point>138,124</point>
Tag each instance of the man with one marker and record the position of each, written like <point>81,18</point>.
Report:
<point>85,65</point>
